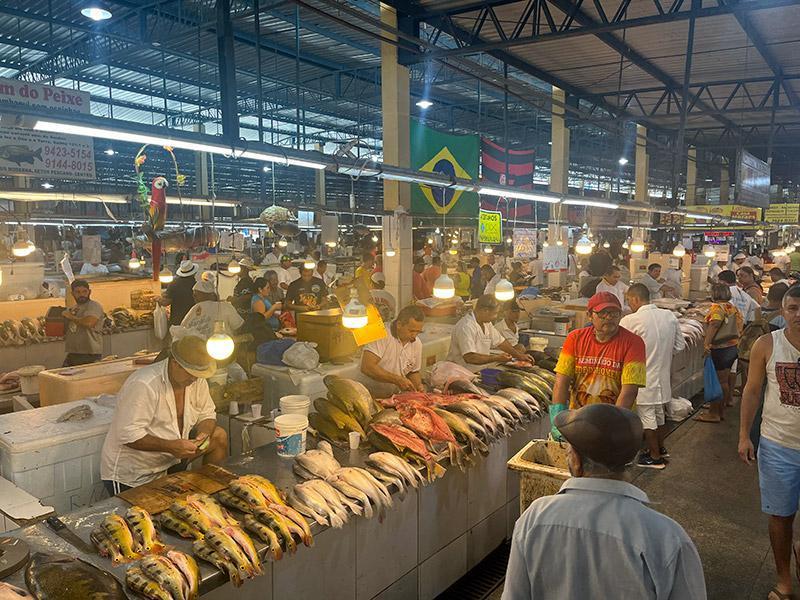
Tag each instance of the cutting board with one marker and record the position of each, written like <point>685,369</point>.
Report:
<point>159,494</point>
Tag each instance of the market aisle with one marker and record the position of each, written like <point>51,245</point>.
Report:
<point>715,497</point>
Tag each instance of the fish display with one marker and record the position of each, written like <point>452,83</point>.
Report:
<point>406,444</point>
<point>318,463</point>
<point>172,576</point>
<point>62,577</point>
<point>321,501</point>
<point>117,532</point>
<point>352,397</point>
<point>144,531</point>
<point>140,583</point>
<point>224,543</point>
<point>166,575</point>
<point>175,524</point>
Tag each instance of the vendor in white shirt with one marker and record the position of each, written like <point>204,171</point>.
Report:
<point>508,325</point>
<point>747,306</point>
<point>157,409</point>
<point>394,363</point>
<point>286,272</point>
<point>94,268</point>
<point>474,337</point>
<point>611,283</point>
<point>663,338</point>
<point>653,282</point>
<point>740,260</point>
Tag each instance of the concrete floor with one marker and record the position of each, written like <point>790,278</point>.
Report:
<point>715,497</point>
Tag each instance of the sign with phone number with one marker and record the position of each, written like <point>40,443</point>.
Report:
<point>43,154</point>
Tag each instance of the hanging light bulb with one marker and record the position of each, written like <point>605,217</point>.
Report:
<point>134,263</point>
<point>637,245</point>
<point>330,244</point>
<point>488,249</point>
<point>355,313</point>
<point>430,241</point>
<point>389,251</point>
<point>22,247</point>
<point>220,345</point>
<point>375,238</point>
<point>583,246</point>
<point>437,231</point>
<point>165,276</point>
<point>453,251</point>
<point>309,263</point>
<point>282,243</point>
<point>709,252</point>
<point>559,242</point>
<point>444,287</point>
<point>625,244</point>
<point>504,291</point>
<point>545,244</point>
<point>679,250</point>
<point>606,245</point>
<point>509,240</point>
<point>234,267</point>
<point>760,233</point>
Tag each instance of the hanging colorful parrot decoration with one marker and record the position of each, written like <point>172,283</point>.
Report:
<point>158,203</point>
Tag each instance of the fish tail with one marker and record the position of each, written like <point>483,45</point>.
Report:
<point>158,548</point>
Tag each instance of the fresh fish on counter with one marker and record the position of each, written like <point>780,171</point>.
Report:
<point>352,396</point>
<point>266,487</point>
<point>205,552</point>
<point>192,515</point>
<point>230,500</point>
<point>62,577</point>
<point>79,413</point>
<point>171,521</point>
<point>353,494</point>
<point>404,442</point>
<point>332,497</point>
<point>471,410</point>
<point>144,531</point>
<point>223,544</point>
<point>394,465</point>
<point>443,373</point>
<point>265,534</point>
<point>219,516</point>
<point>462,431</point>
<point>463,386</point>
<point>246,544</point>
<point>295,521</point>
<point>361,485</point>
<point>188,568</point>
<point>12,592</point>
<point>319,462</point>
<point>120,534</point>
<point>307,498</point>
<point>140,583</point>
<point>387,480</point>
<point>524,402</point>
<point>505,407</point>
<point>327,429</point>
<point>532,383</point>
<point>278,524</point>
<point>337,416</point>
<point>105,547</point>
<point>166,575</point>
<point>248,492</point>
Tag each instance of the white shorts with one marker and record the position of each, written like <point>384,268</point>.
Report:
<point>652,415</point>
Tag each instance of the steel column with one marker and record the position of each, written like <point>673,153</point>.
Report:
<point>227,71</point>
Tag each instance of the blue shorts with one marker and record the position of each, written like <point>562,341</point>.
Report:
<point>778,478</point>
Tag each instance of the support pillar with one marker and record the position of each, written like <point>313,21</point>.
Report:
<point>227,71</point>
<point>559,150</point>
<point>691,176</point>
<point>319,187</point>
<point>725,183</point>
<point>642,163</point>
<point>395,105</point>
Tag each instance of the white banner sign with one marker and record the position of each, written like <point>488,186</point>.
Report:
<point>554,259</point>
<point>40,154</point>
<point>525,243</point>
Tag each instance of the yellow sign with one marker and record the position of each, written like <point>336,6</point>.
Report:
<point>725,211</point>
<point>490,227</point>
<point>783,213</point>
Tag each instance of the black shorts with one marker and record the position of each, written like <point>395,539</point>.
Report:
<point>723,358</point>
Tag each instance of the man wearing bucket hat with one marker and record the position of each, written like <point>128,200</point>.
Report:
<point>158,408</point>
<point>597,538</point>
<point>178,295</point>
<point>208,309</point>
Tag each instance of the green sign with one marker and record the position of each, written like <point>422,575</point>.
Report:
<point>490,227</point>
<point>452,155</point>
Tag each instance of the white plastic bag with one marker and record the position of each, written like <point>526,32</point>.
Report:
<point>160,321</point>
<point>678,409</point>
<point>302,355</point>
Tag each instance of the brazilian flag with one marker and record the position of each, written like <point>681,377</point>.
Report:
<point>453,155</point>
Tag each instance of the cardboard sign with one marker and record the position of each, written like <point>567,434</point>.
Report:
<point>554,259</point>
<point>783,213</point>
<point>490,227</point>
<point>525,243</point>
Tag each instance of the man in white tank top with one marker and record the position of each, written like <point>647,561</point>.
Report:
<point>775,360</point>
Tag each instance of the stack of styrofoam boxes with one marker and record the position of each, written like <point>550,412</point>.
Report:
<point>59,463</point>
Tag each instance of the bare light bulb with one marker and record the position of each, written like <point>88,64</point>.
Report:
<point>488,249</point>
<point>444,287</point>
<point>504,291</point>
<point>679,250</point>
<point>282,243</point>
<point>389,251</point>
<point>134,263</point>
<point>220,345</point>
<point>234,267</point>
<point>354,315</point>
<point>165,276</point>
<point>309,263</point>
<point>583,246</point>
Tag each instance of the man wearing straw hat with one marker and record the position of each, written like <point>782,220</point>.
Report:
<point>158,409</point>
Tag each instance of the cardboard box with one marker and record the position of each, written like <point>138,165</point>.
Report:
<point>324,327</point>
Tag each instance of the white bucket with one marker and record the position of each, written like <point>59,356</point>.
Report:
<point>29,379</point>
<point>537,344</point>
<point>295,405</point>
<point>290,434</point>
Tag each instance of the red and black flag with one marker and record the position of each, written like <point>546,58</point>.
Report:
<point>519,174</point>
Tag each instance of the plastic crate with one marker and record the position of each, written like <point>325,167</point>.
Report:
<point>543,468</point>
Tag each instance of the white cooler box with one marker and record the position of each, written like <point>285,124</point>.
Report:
<point>59,463</point>
<point>279,383</point>
<point>435,340</point>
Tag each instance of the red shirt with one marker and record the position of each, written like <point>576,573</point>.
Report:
<point>599,370</point>
<point>420,287</point>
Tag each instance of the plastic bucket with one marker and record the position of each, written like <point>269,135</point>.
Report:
<point>295,405</point>
<point>290,434</point>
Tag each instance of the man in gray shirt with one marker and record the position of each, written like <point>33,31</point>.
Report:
<point>596,539</point>
<point>83,327</point>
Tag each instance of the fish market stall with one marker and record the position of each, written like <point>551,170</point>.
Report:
<point>435,524</point>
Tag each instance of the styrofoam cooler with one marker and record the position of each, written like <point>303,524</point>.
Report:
<point>59,463</point>
<point>278,382</point>
<point>435,340</point>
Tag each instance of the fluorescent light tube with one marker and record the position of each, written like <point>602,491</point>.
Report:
<point>522,195</point>
<point>592,203</point>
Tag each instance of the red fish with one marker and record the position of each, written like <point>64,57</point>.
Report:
<point>425,399</point>
<point>158,203</point>
<point>426,423</point>
<point>405,443</point>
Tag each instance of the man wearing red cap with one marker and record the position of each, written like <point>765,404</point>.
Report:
<point>603,363</point>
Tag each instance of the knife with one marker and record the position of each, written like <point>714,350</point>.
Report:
<point>66,534</point>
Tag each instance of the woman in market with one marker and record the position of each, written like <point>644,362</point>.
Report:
<point>746,278</point>
<point>724,326</point>
<point>462,281</point>
<point>262,304</point>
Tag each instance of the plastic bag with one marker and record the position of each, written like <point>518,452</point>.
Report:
<point>302,355</point>
<point>271,353</point>
<point>712,390</point>
<point>678,409</point>
<point>160,324</point>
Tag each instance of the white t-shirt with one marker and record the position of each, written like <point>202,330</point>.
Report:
<point>146,406</point>
<point>395,357</point>
<point>511,336</point>
<point>90,269</point>
<point>468,336</point>
<point>745,303</point>
<point>203,314</point>
<point>271,259</point>
<point>287,276</point>
<point>653,286</point>
<point>618,289</point>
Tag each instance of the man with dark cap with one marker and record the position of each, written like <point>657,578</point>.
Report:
<point>596,538</point>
